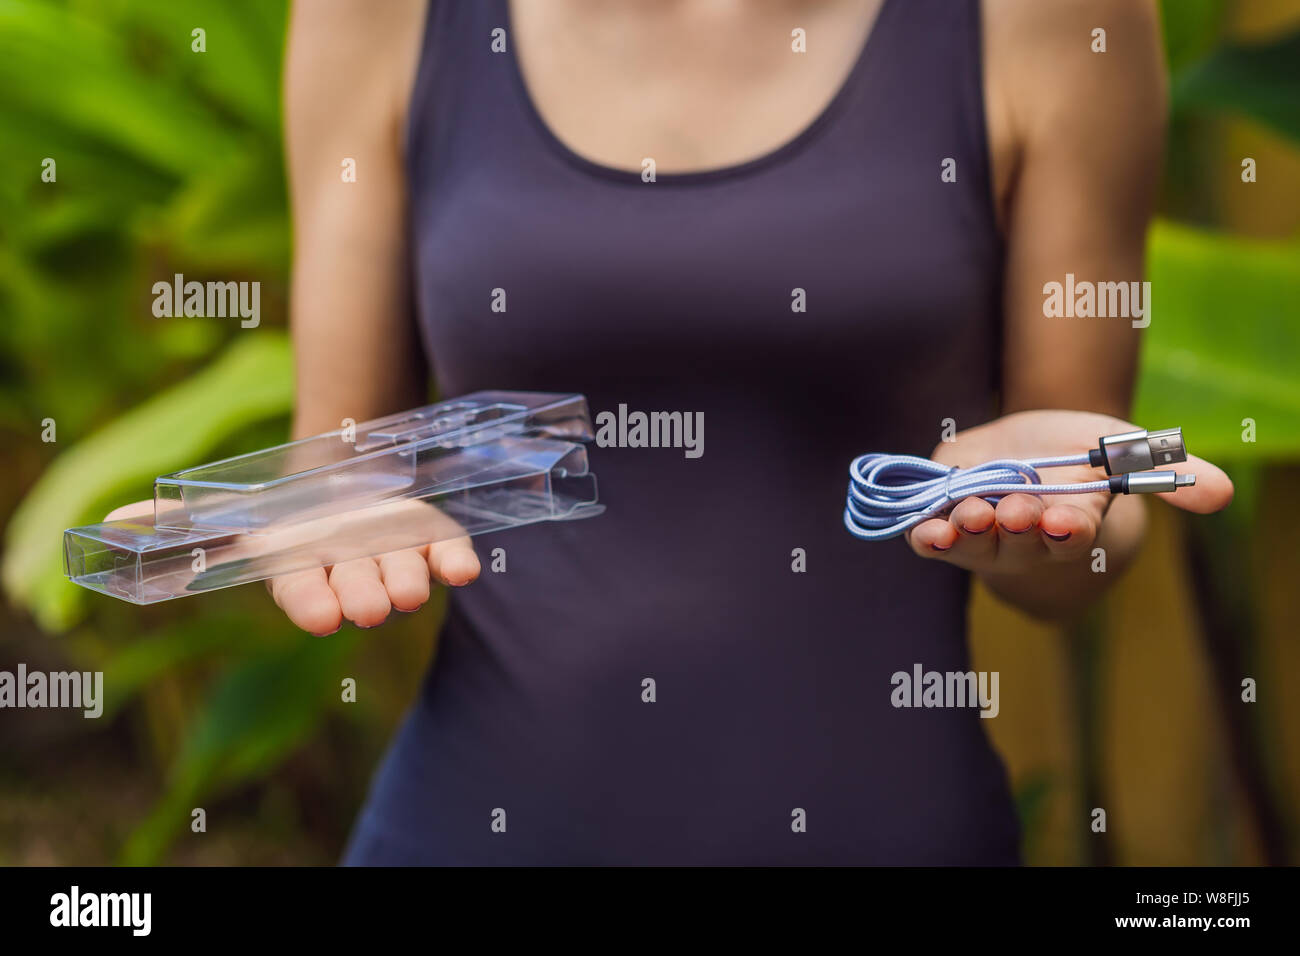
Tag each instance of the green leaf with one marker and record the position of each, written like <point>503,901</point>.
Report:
<point>1260,81</point>
<point>99,92</point>
<point>1224,342</point>
<point>83,164</point>
<point>218,629</point>
<point>250,382</point>
<point>240,65</point>
<point>1033,805</point>
<point>1190,29</point>
<point>235,218</point>
<point>260,711</point>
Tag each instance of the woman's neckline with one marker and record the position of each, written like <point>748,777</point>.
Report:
<point>777,154</point>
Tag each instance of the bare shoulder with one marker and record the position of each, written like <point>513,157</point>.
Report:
<point>1051,60</point>
<point>351,59</point>
<point>1073,77</point>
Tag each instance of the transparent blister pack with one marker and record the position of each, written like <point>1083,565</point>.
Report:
<point>486,462</point>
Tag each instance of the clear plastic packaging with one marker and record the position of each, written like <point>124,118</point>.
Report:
<point>486,462</point>
<point>399,456</point>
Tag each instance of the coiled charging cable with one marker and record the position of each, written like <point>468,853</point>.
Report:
<point>888,494</point>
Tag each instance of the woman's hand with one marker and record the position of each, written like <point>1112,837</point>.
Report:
<point>1025,547</point>
<point>365,590</point>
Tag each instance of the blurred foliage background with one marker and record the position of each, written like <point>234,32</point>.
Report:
<point>169,161</point>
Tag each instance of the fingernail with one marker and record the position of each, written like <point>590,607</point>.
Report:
<point>1058,537</point>
<point>966,530</point>
<point>328,633</point>
<point>1014,531</point>
<point>945,548</point>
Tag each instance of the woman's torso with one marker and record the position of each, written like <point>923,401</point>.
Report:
<point>772,686</point>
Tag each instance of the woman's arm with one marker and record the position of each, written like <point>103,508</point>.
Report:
<point>1077,169</point>
<point>348,70</point>
<point>1088,135</point>
<point>348,73</point>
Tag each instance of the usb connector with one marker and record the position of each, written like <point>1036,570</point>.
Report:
<point>1138,451</point>
<point>1149,482</point>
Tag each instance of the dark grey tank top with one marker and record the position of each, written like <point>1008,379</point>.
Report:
<point>769,633</point>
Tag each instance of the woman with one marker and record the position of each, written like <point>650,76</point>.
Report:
<point>827,227</point>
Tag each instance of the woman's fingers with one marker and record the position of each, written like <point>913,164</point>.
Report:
<point>366,590</point>
<point>1212,492</point>
<point>1018,514</point>
<point>1017,521</point>
<point>965,538</point>
<point>932,538</point>
<point>1066,531</point>
<point>973,517</point>
<point>137,509</point>
<point>1021,530</point>
<point>406,578</point>
<point>361,593</point>
<point>308,601</point>
<point>453,562</point>
<point>977,538</point>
